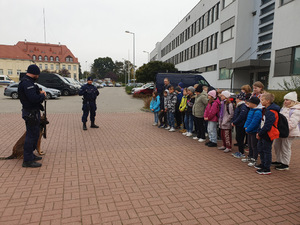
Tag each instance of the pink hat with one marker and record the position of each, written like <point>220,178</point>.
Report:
<point>212,93</point>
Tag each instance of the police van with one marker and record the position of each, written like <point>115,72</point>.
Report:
<point>5,80</point>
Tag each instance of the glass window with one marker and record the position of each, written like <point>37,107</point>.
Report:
<point>1,71</point>
<point>265,1</point>
<point>266,28</point>
<point>264,47</point>
<point>57,59</point>
<point>282,2</point>
<point>75,75</point>
<point>225,73</point>
<point>264,56</point>
<point>226,35</point>
<point>267,18</point>
<point>46,58</point>
<point>18,72</point>
<point>267,9</point>
<point>74,67</point>
<point>64,67</point>
<point>69,67</point>
<point>41,66</point>
<point>226,3</point>
<point>52,67</point>
<point>265,37</point>
<point>57,67</point>
<point>46,66</point>
<point>296,63</point>
<point>33,57</point>
<point>40,57</point>
<point>9,72</point>
<point>51,58</point>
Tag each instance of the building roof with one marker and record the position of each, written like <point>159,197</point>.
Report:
<point>26,51</point>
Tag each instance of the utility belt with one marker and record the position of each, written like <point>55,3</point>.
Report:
<point>87,101</point>
<point>31,116</point>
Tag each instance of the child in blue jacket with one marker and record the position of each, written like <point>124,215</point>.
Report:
<point>251,127</point>
<point>238,121</point>
<point>155,106</point>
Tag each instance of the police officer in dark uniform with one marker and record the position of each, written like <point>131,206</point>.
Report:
<point>31,98</point>
<point>89,93</point>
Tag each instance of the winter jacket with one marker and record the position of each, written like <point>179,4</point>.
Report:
<point>212,111</point>
<point>200,104</point>
<point>240,114</point>
<point>171,102</point>
<point>267,131</point>
<point>182,106</point>
<point>189,104</point>
<point>179,97</point>
<point>155,104</point>
<point>225,121</point>
<point>253,120</point>
<point>293,116</point>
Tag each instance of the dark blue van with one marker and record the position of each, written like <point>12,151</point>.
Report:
<point>187,79</point>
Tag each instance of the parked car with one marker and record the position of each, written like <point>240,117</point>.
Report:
<point>146,90</point>
<point>118,85</point>
<point>142,87</point>
<point>5,80</point>
<point>96,85</point>
<point>110,85</point>
<point>12,91</point>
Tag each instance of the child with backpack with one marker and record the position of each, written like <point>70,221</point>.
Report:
<point>282,146</point>
<point>225,117</point>
<point>155,106</point>
<point>211,115</point>
<point>188,120</point>
<point>267,133</point>
<point>238,121</point>
<point>251,127</point>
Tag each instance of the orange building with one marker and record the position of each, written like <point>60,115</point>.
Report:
<point>15,59</point>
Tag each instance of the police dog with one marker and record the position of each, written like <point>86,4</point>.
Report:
<point>18,148</point>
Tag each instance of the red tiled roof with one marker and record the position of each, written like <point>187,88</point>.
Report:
<point>25,50</point>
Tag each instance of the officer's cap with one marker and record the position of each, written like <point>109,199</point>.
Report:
<point>33,69</point>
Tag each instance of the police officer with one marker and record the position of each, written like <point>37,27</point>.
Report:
<point>89,93</point>
<point>31,98</point>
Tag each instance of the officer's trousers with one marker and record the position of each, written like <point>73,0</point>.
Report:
<point>91,108</point>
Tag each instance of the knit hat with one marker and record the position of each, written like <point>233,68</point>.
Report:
<point>226,94</point>
<point>291,96</point>
<point>167,91</point>
<point>254,100</point>
<point>90,78</point>
<point>178,89</point>
<point>181,84</point>
<point>191,88</point>
<point>199,89</point>
<point>241,96</point>
<point>33,69</point>
<point>212,93</point>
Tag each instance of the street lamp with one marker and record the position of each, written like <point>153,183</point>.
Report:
<point>133,53</point>
<point>148,55</point>
<point>124,69</point>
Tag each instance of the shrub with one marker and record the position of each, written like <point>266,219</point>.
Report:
<point>280,94</point>
<point>128,89</point>
<point>147,101</point>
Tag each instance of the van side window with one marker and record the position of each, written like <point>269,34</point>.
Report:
<point>1,78</point>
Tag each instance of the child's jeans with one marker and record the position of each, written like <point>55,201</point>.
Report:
<point>212,131</point>
<point>156,117</point>
<point>265,151</point>
<point>189,122</point>
<point>252,143</point>
<point>171,119</point>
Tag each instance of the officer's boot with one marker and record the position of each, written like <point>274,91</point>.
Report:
<point>84,126</point>
<point>93,125</point>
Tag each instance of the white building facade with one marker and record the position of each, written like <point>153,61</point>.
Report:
<point>236,42</point>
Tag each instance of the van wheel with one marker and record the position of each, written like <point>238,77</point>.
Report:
<point>65,92</point>
<point>48,95</point>
<point>15,95</point>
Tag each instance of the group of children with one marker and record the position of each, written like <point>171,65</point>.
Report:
<point>253,114</point>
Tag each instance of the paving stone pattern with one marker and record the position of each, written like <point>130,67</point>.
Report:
<point>129,172</point>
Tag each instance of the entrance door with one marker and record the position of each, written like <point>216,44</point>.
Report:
<point>264,78</point>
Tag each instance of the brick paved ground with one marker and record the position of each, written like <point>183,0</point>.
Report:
<point>129,172</point>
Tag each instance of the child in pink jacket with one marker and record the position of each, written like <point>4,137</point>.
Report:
<point>211,115</point>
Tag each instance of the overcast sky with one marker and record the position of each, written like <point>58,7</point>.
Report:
<point>93,28</point>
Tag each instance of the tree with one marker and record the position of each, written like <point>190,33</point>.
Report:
<point>80,72</point>
<point>64,73</point>
<point>147,72</point>
<point>102,66</point>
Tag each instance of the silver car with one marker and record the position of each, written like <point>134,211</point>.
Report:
<point>12,91</point>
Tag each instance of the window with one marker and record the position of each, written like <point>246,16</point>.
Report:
<point>266,28</point>
<point>282,2</point>
<point>46,58</point>
<point>18,72</point>
<point>57,59</point>
<point>264,56</point>
<point>51,59</point>
<point>264,47</point>
<point>41,66</point>
<point>226,3</point>
<point>40,58</point>
<point>9,72</point>
<point>265,37</point>
<point>74,67</point>
<point>1,71</point>
<point>225,73</point>
<point>57,67</point>
<point>267,9</point>
<point>46,66</point>
<point>75,75</point>
<point>69,67</point>
<point>33,57</point>
<point>265,1</point>
<point>52,67</point>
<point>226,35</point>
<point>267,18</point>
<point>217,11</point>
<point>296,61</point>
<point>216,40</point>
<point>64,67</point>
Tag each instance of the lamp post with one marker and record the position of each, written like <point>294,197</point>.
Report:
<point>124,69</point>
<point>148,55</point>
<point>133,53</point>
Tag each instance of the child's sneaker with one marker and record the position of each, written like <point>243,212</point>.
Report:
<point>260,166</point>
<point>238,155</point>
<point>263,171</point>
<point>246,160</point>
<point>252,162</point>
<point>201,140</point>
<point>185,133</point>
<point>168,128</point>
<point>189,134</point>
<point>195,138</point>
<point>227,150</point>
<point>172,129</point>
<point>282,167</point>
<point>154,124</point>
<point>276,163</point>
<point>221,148</point>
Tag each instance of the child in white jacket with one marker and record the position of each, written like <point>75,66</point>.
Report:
<point>282,146</point>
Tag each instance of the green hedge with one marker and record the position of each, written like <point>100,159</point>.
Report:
<point>128,89</point>
<point>280,94</point>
